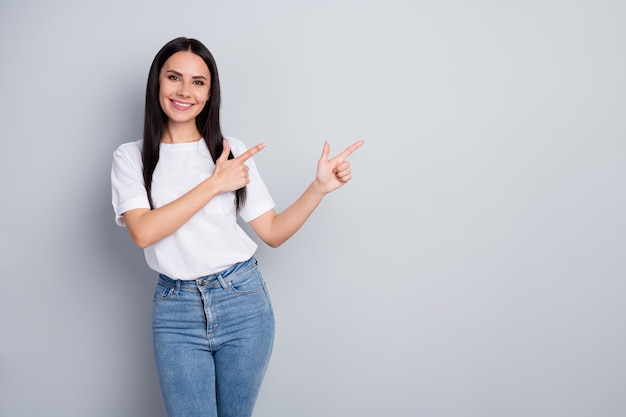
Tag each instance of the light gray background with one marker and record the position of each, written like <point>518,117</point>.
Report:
<point>474,266</point>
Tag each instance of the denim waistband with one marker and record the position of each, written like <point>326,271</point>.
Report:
<point>221,279</point>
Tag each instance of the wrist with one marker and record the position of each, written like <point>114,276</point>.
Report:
<point>210,187</point>
<point>318,188</point>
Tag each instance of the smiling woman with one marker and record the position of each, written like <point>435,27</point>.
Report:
<point>185,85</point>
<point>179,191</point>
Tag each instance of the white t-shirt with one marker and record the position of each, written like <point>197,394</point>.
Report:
<point>211,241</point>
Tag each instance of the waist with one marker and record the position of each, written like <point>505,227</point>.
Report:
<point>220,279</point>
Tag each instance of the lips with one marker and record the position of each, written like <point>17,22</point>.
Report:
<point>179,105</point>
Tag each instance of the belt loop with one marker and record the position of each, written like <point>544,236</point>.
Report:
<point>177,286</point>
<point>223,283</point>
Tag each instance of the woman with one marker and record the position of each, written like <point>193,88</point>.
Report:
<point>178,191</point>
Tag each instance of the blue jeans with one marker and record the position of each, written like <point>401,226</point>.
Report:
<point>213,339</point>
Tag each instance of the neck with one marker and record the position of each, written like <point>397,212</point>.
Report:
<point>181,133</point>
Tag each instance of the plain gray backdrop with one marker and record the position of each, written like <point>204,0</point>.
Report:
<point>473,267</point>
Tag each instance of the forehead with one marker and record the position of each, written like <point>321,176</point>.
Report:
<point>186,63</point>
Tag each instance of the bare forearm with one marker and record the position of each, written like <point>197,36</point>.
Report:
<point>284,224</point>
<point>149,226</point>
<point>331,174</point>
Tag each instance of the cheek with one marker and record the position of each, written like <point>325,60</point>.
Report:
<point>204,96</point>
<point>162,95</point>
<point>201,100</point>
<point>164,91</point>
<point>163,101</point>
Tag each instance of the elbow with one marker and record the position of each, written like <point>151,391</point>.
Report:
<point>140,240</point>
<point>273,243</point>
<point>141,244</point>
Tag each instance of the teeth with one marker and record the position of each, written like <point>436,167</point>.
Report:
<point>182,104</point>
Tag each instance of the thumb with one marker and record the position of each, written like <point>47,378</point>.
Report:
<point>325,151</point>
<point>225,151</point>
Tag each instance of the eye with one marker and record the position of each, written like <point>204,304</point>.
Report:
<point>173,78</point>
<point>198,82</point>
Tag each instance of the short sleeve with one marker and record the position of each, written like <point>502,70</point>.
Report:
<point>127,185</point>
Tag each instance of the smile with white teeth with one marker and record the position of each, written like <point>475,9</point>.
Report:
<point>179,104</point>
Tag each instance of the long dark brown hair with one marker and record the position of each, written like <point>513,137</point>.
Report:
<point>207,122</point>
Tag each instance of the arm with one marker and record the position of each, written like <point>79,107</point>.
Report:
<point>147,226</point>
<point>274,229</point>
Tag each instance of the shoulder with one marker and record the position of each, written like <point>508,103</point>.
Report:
<point>130,150</point>
<point>129,154</point>
<point>130,147</point>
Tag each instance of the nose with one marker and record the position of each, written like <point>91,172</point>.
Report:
<point>183,90</point>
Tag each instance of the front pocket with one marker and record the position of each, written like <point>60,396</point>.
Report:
<point>248,283</point>
<point>162,293</point>
<point>219,204</point>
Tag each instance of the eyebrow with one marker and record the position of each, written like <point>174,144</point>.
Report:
<point>180,75</point>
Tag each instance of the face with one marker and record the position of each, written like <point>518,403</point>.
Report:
<point>185,83</point>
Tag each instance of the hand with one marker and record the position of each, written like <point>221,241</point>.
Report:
<point>335,172</point>
<point>232,174</point>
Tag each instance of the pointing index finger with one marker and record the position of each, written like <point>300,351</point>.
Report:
<point>348,151</point>
<point>251,152</point>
